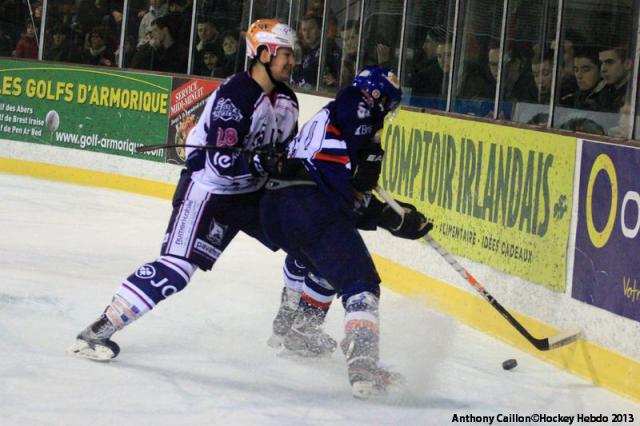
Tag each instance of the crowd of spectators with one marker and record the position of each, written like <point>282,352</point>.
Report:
<point>157,34</point>
<point>593,74</point>
<point>339,41</point>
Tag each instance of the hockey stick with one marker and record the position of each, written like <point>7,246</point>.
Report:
<point>560,339</point>
<point>219,148</point>
<point>165,146</point>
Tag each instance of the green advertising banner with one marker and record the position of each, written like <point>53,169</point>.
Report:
<point>84,108</point>
<point>499,195</point>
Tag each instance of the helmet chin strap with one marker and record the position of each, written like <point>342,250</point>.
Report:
<point>267,67</point>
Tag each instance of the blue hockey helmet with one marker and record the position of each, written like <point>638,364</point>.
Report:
<point>381,84</point>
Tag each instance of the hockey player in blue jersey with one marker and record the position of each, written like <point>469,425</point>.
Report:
<point>314,209</point>
<point>218,193</point>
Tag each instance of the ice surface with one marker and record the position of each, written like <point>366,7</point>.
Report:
<point>201,358</point>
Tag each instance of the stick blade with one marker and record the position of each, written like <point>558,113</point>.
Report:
<point>565,337</point>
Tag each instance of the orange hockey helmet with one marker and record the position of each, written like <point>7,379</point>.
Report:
<point>269,33</point>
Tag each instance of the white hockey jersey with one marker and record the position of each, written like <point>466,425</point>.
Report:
<point>239,117</point>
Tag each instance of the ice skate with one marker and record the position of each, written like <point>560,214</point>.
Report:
<point>309,342</point>
<point>369,380</point>
<point>305,336</point>
<point>94,341</point>
<point>284,318</point>
<point>367,377</point>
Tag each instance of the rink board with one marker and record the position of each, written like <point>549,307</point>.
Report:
<point>599,365</point>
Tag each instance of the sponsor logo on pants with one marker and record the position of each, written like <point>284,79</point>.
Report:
<point>206,249</point>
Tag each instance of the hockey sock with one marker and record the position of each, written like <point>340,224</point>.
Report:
<point>316,293</point>
<point>153,282</point>
<point>361,328</point>
<point>293,273</point>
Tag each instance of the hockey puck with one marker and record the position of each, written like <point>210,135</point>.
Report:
<point>510,364</point>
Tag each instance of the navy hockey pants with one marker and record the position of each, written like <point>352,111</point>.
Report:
<point>202,224</point>
<point>312,227</point>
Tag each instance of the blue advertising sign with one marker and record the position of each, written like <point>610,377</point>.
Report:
<point>606,271</point>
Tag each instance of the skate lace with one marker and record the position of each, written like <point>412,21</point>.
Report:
<point>103,329</point>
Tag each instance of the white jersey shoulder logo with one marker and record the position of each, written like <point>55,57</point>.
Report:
<point>225,110</point>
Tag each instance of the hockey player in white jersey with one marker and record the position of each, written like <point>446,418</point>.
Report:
<point>218,192</point>
<point>313,211</point>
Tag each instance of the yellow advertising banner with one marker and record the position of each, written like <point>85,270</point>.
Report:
<point>498,195</point>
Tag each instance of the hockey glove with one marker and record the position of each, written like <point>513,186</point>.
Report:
<point>412,225</point>
<point>365,177</point>
<point>267,161</point>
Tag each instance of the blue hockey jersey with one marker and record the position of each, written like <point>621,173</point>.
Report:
<point>238,118</point>
<point>331,141</point>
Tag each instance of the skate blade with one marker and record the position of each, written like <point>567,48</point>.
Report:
<point>395,380</point>
<point>275,341</point>
<point>290,353</point>
<point>367,390</point>
<point>387,383</point>
<point>98,353</point>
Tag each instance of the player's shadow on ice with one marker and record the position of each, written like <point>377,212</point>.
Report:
<point>285,393</point>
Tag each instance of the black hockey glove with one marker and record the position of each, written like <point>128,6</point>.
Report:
<point>412,225</point>
<point>267,161</point>
<point>365,177</point>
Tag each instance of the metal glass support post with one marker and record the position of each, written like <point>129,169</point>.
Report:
<point>325,13</point>
<point>42,29</point>
<point>341,72</point>
<point>290,12</point>
<point>123,32</point>
<point>251,19</point>
<point>454,50</point>
<point>634,79</point>
<point>360,30</point>
<point>192,37</point>
<point>405,6</point>
<point>556,64</point>
<point>503,42</point>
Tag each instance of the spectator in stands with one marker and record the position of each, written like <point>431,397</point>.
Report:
<point>542,68</point>
<point>61,12</point>
<point>479,82</point>
<point>36,7</point>
<point>27,46</point>
<point>427,76</point>
<point>130,42</point>
<point>98,52</point>
<point>157,9</point>
<point>518,83</point>
<point>113,21</point>
<point>88,16</point>
<point>566,76</point>
<point>615,68</point>
<point>181,15</point>
<point>427,54</point>
<point>13,14</point>
<point>207,33</point>
<point>586,68</point>
<point>61,49</point>
<point>306,72</point>
<point>349,36</point>
<point>6,42</point>
<point>176,6</point>
<point>213,58</point>
<point>169,56</point>
<point>232,56</point>
<point>144,53</point>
